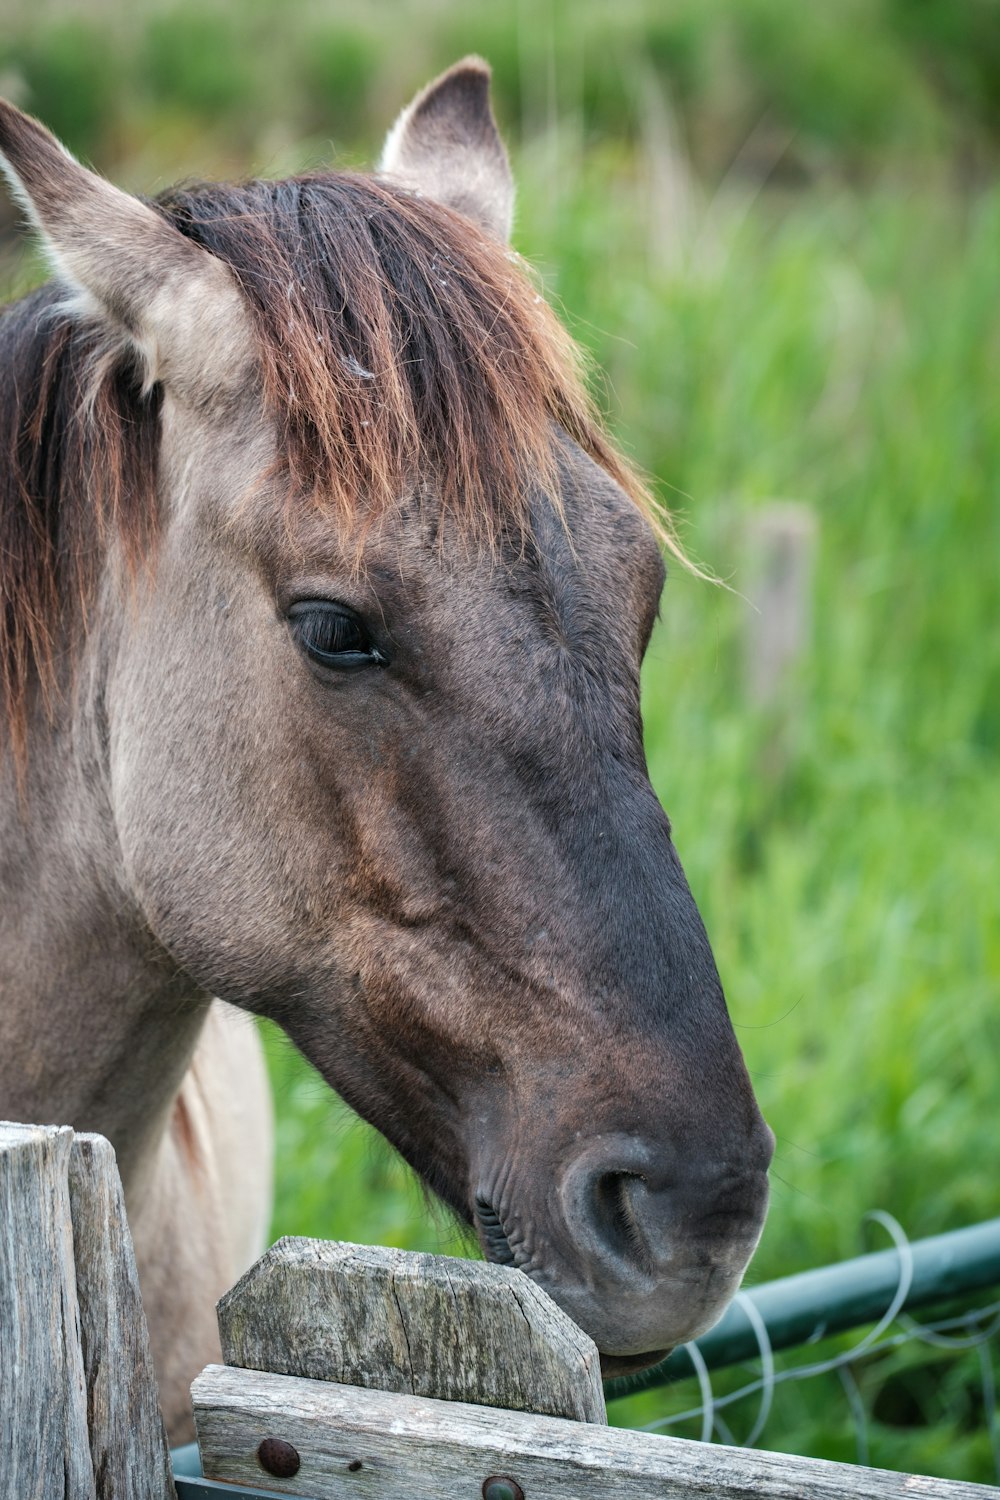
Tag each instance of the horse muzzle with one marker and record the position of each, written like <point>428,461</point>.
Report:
<point>642,1254</point>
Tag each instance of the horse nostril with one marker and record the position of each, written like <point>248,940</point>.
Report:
<point>632,1207</point>
<point>656,1236</point>
<point>606,1195</point>
<point>618,1217</point>
<point>494,1235</point>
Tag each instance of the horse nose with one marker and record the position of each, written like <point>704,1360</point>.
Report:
<point>654,1232</point>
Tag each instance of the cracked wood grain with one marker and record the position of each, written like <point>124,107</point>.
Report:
<point>44,1451</point>
<point>128,1445</point>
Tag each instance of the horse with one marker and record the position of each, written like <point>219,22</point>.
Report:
<point>324,598</point>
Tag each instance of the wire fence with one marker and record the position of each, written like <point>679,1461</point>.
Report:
<point>971,1332</point>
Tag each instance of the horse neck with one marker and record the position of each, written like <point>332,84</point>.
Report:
<point>97,1027</point>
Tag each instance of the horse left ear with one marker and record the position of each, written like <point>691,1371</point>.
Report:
<point>125,265</point>
<point>447,146</point>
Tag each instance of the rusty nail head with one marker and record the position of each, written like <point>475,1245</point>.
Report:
<point>278,1458</point>
<point>501,1487</point>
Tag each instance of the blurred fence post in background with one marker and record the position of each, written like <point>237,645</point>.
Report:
<point>671,193</point>
<point>781,548</point>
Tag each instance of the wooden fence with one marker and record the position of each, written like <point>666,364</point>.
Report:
<point>349,1372</point>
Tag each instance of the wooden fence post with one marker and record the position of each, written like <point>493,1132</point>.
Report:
<point>422,1325</point>
<point>45,1450</point>
<point>79,1416</point>
<point>128,1444</point>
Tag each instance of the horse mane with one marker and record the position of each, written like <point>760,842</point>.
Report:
<point>398,345</point>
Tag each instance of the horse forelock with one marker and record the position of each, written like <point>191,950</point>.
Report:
<point>399,346</point>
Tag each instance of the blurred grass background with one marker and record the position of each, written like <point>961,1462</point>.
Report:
<point>777,228</point>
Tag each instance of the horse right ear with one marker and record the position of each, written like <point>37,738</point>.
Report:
<point>447,146</point>
<point>178,306</point>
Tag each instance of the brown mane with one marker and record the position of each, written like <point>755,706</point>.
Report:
<point>397,343</point>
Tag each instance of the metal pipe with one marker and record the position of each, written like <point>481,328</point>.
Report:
<point>813,1305</point>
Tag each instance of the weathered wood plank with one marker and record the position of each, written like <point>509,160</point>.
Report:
<point>44,1448</point>
<point>425,1325</point>
<point>128,1444</point>
<point>367,1443</point>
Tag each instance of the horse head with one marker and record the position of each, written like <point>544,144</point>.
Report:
<point>361,674</point>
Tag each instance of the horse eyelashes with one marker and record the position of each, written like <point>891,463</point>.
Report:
<point>332,635</point>
<point>332,632</point>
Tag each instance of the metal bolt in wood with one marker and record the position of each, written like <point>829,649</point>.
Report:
<point>278,1457</point>
<point>499,1487</point>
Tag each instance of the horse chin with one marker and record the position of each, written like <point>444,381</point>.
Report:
<point>614,1365</point>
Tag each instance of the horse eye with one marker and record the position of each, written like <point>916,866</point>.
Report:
<point>333,635</point>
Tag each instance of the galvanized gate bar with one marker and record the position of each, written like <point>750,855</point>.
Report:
<point>814,1304</point>
<point>193,1487</point>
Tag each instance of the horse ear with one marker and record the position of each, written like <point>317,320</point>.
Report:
<point>126,265</point>
<point>447,146</point>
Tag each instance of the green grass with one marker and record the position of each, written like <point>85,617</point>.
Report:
<point>829,339</point>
